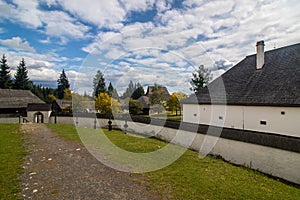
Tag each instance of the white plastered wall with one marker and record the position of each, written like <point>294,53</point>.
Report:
<point>281,120</point>
<point>32,118</point>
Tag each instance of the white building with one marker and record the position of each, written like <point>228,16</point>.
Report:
<point>260,93</point>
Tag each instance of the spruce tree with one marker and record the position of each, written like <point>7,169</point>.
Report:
<point>5,78</point>
<point>129,90</point>
<point>22,81</point>
<point>112,92</point>
<point>110,89</point>
<point>200,79</point>
<point>99,84</point>
<point>138,91</point>
<point>62,84</point>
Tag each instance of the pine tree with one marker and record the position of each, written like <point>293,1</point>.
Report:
<point>138,91</point>
<point>22,81</point>
<point>200,78</point>
<point>5,78</point>
<point>129,90</point>
<point>99,84</point>
<point>62,84</point>
<point>110,89</point>
<point>112,92</point>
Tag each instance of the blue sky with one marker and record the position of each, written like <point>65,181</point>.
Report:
<point>146,41</point>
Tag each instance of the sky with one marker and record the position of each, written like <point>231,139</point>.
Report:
<point>146,41</point>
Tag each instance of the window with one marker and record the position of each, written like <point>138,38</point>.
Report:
<point>220,117</point>
<point>263,122</point>
<point>282,113</point>
<point>195,115</point>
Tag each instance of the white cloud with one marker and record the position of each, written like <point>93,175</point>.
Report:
<point>140,5</point>
<point>22,11</point>
<point>45,41</point>
<point>60,24</point>
<point>162,6</point>
<point>100,12</point>
<point>17,43</point>
<point>56,23</point>
<point>203,32</point>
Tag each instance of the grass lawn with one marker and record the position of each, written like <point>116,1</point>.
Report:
<point>11,158</point>
<point>168,116</point>
<point>193,178</point>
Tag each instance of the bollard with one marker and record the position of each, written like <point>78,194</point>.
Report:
<point>95,123</point>
<point>125,127</point>
<point>109,125</point>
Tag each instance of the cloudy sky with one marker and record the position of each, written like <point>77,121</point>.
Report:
<point>146,41</point>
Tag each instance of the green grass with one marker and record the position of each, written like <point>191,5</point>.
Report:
<point>67,132</point>
<point>11,157</point>
<point>170,116</point>
<point>190,177</point>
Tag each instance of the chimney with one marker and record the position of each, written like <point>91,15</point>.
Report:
<point>260,54</point>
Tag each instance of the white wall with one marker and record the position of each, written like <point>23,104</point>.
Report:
<point>288,123</point>
<point>276,162</point>
<point>32,118</point>
<point>281,120</point>
<point>10,120</point>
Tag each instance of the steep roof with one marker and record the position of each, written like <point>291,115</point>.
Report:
<point>145,101</point>
<point>163,90</point>
<point>17,98</point>
<point>276,84</point>
<point>38,107</point>
<point>63,103</point>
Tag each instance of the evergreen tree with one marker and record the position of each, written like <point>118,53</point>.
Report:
<point>129,90</point>
<point>21,77</point>
<point>99,84</point>
<point>112,92</point>
<point>115,94</point>
<point>110,89</point>
<point>62,84</point>
<point>5,78</point>
<point>200,78</point>
<point>138,91</point>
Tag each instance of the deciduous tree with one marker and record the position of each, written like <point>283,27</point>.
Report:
<point>174,102</point>
<point>135,107</point>
<point>106,105</point>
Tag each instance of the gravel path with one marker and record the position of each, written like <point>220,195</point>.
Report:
<point>59,169</point>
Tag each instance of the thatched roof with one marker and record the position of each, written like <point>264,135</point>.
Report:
<point>17,98</point>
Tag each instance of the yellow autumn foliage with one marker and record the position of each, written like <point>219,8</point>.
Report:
<point>105,104</point>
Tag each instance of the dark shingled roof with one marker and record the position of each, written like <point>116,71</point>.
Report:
<point>17,98</point>
<point>63,104</point>
<point>163,90</point>
<point>38,107</point>
<point>276,84</point>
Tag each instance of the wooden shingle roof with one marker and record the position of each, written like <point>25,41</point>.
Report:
<point>17,98</point>
<point>63,104</point>
<point>276,84</point>
<point>163,90</point>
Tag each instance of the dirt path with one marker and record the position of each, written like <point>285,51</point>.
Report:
<point>59,169</point>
